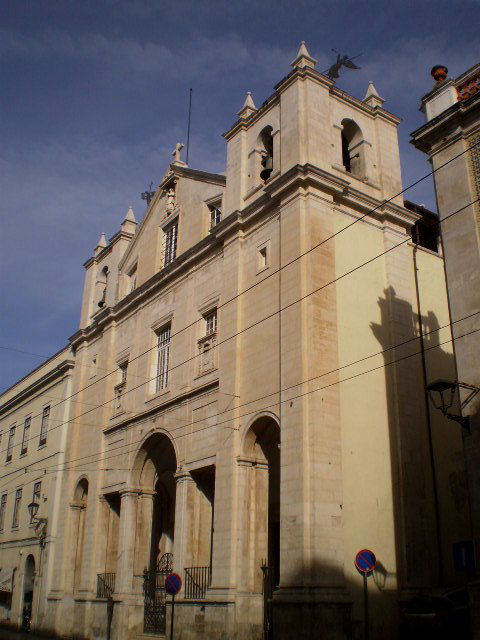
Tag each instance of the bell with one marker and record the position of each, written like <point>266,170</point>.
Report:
<point>267,164</point>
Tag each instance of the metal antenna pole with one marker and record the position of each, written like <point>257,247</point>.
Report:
<point>189,118</point>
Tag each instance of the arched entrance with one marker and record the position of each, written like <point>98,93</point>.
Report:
<point>262,451</point>
<point>28,586</point>
<point>154,473</point>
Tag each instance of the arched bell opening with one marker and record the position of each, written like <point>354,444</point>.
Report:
<point>262,451</point>
<point>265,146</point>
<point>154,472</point>
<point>353,148</point>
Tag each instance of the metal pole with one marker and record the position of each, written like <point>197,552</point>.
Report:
<point>189,118</point>
<point>171,621</point>
<point>365,604</point>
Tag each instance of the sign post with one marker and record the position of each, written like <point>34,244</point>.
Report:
<point>173,584</point>
<point>365,562</point>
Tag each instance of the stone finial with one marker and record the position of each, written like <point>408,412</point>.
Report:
<point>304,59</point>
<point>371,97</point>
<point>439,73</point>
<point>248,106</point>
<point>102,243</point>
<point>129,223</point>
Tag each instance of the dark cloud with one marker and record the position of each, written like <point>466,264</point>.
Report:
<point>95,97</point>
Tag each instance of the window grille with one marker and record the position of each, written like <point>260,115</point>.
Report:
<point>3,508</point>
<point>26,431</point>
<point>215,216</point>
<point>11,440</point>
<point>170,244</point>
<point>37,489</point>
<point>44,427</point>
<point>16,507</point>
<point>163,355</point>
<point>211,323</point>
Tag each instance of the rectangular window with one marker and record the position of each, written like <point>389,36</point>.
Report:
<point>11,440</point>
<point>26,431</point>
<point>44,427</point>
<point>170,244</point>
<point>16,508</point>
<point>215,216</point>
<point>133,279</point>
<point>3,508</point>
<point>120,387</point>
<point>37,489</point>
<point>210,323</point>
<point>163,356</point>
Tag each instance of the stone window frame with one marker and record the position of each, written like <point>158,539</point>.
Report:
<point>45,422</point>
<point>27,425</point>
<point>16,507</point>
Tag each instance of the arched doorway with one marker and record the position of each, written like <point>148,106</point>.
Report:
<point>79,508</point>
<point>154,473</point>
<point>262,450</point>
<point>28,586</point>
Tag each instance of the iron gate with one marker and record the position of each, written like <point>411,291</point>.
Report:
<point>268,586</point>
<point>154,595</point>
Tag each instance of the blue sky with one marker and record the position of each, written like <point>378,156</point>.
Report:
<point>95,95</point>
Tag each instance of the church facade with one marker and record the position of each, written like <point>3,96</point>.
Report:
<point>250,375</point>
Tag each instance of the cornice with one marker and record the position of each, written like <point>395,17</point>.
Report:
<point>39,385</point>
<point>432,131</point>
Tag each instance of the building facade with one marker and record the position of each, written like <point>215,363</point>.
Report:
<point>33,432</point>
<point>250,382</point>
<point>451,139</point>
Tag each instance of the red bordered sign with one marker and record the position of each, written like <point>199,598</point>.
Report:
<point>365,561</point>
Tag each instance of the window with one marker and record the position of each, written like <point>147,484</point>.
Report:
<point>170,243</point>
<point>352,148</point>
<point>120,387</point>
<point>44,427</point>
<point>26,431</point>
<point>37,489</point>
<point>163,355</point>
<point>16,508</point>
<point>215,215</point>
<point>210,323</point>
<point>3,508</point>
<point>11,440</point>
<point>265,146</point>
<point>133,279</point>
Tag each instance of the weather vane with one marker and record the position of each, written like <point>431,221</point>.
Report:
<point>148,195</point>
<point>342,61</point>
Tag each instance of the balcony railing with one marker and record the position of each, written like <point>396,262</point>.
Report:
<point>105,584</point>
<point>197,580</point>
<point>469,87</point>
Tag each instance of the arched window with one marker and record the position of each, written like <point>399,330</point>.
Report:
<point>79,507</point>
<point>352,148</point>
<point>265,145</point>
<point>102,285</point>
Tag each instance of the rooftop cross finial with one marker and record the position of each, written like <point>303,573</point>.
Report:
<point>176,153</point>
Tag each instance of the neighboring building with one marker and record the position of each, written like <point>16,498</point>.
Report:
<point>452,135</point>
<point>33,430</point>
<point>250,406</point>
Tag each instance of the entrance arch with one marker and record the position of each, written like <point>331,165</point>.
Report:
<point>262,453</point>
<point>28,587</point>
<point>154,474</point>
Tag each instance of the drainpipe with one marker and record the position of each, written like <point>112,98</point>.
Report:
<point>428,416</point>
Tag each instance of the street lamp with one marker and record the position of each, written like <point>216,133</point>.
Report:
<point>442,395</point>
<point>40,523</point>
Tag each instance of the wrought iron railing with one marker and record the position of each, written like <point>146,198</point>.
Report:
<point>197,580</point>
<point>105,584</point>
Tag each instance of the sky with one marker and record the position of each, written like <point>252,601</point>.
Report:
<point>94,97</point>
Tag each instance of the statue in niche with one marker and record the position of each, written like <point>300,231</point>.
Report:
<point>170,199</point>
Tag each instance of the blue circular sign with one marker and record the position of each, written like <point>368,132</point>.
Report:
<point>365,561</point>
<point>173,584</point>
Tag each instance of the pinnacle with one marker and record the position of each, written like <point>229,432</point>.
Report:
<point>372,97</point>
<point>248,106</point>
<point>303,58</point>
<point>130,216</point>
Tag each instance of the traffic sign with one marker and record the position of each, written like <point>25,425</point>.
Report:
<point>365,561</point>
<point>173,584</point>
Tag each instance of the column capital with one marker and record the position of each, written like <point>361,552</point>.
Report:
<point>125,493</point>
<point>182,475</point>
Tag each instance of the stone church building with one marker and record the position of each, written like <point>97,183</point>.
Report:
<point>249,385</point>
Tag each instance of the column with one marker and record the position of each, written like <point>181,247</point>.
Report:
<point>184,506</point>
<point>126,541</point>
